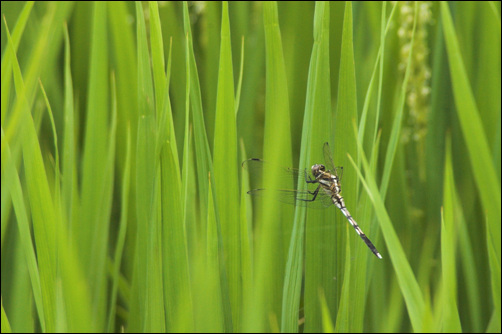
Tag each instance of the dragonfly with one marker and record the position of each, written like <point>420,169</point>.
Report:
<point>327,179</point>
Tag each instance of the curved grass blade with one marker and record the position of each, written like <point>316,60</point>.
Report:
<point>480,156</point>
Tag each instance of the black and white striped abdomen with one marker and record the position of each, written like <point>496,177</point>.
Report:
<point>339,202</point>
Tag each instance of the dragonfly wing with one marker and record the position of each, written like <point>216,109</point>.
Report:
<point>328,160</point>
<point>295,197</point>
<point>257,167</point>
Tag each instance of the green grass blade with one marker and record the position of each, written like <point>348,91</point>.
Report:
<point>124,60</point>
<point>385,25</point>
<point>92,229</point>
<point>239,85</point>
<point>109,167</point>
<point>451,319</point>
<point>321,228</point>
<point>11,119</point>
<point>119,249</point>
<point>327,323</point>
<point>75,292</point>
<point>170,14</point>
<point>40,199</point>
<point>13,184</point>
<point>179,311</point>
<point>73,298</point>
<point>7,58</point>
<point>271,218</point>
<point>202,151</point>
<point>68,182</point>
<point>470,276</point>
<point>397,124</point>
<point>176,276</point>
<point>406,279</point>
<point>366,215</point>
<point>57,177</point>
<point>246,230</point>
<point>297,34</point>
<point>494,324</point>
<point>145,198</point>
<point>487,182</point>
<point>225,170</point>
<point>208,300</point>
<point>148,285</point>
<point>39,57</point>
<point>145,87</point>
<point>294,265</point>
<point>351,309</point>
<point>158,60</point>
<point>5,322</point>
<point>204,161</point>
<point>186,142</point>
<point>161,84</point>
<point>489,85</point>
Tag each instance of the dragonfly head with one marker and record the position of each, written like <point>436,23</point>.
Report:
<point>316,169</point>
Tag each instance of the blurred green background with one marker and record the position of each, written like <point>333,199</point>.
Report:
<point>124,205</point>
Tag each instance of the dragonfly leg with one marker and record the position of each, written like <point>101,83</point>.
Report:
<point>314,193</point>
<point>308,179</point>
<point>341,172</point>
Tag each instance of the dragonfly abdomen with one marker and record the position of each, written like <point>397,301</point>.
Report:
<point>358,230</point>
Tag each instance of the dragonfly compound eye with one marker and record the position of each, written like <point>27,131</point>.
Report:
<point>316,169</point>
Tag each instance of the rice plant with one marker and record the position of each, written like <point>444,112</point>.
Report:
<point>125,204</point>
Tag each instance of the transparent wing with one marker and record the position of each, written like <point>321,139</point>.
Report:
<point>257,167</point>
<point>295,197</point>
<point>328,159</point>
<point>328,162</point>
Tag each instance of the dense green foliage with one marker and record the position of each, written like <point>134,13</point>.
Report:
<point>124,204</point>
